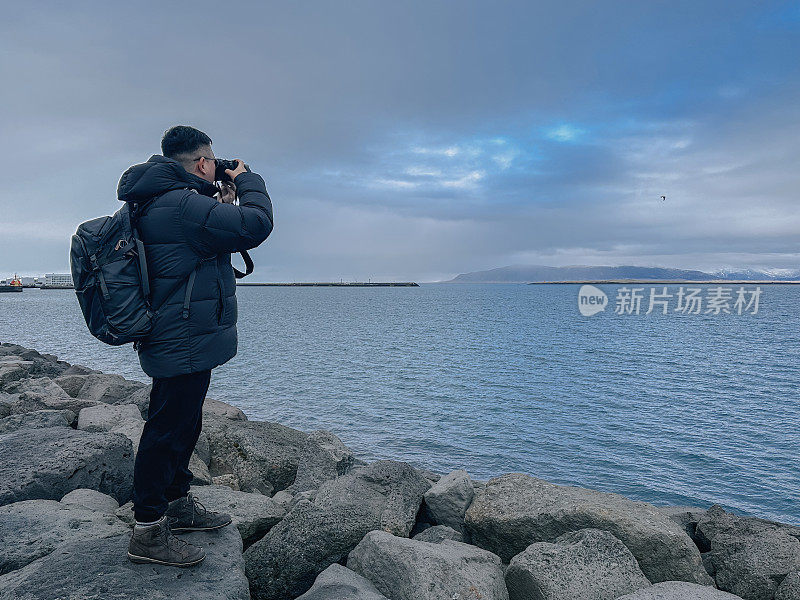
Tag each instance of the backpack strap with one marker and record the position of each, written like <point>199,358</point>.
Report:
<point>143,267</point>
<point>248,266</point>
<point>188,295</point>
<point>177,285</point>
<point>130,221</point>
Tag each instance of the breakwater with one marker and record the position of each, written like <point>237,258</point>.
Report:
<point>312,519</point>
<point>334,284</point>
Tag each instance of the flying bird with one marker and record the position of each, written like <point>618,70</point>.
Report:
<point>663,198</point>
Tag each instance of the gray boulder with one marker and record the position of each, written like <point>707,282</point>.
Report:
<point>678,590</point>
<point>37,419</point>
<point>202,449</point>
<point>99,568</point>
<point>125,514</point>
<point>79,370</point>
<point>448,499</point>
<point>91,499</point>
<point>33,363</point>
<point>12,371</point>
<point>49,463</point>
<point>127,420</point>
<point>233,483</point>
<point>121,418</point>
<point>253,514</point>
<point>789,589</point>
<point>405,569</point>
<point>515,510</point>
<point>392,490</point>
<point>283,498</point>
<point>5,404</point>
<point>431,476</point>
<point>109,389</point>
<point>140,398</point>
<point>217,408</point>
<point>588,564</point>
<point>263,456</point>
<point>34,528</point>
<point>323,456</point>
<point>439,533</point>
<point>286,561</point>
<point>748,557</point>
<point>47,364</point>
<point>105,417</point>
<point>340,583</point>
<point>40,393</point>
<point>199,469</point>
<point>71,383</point>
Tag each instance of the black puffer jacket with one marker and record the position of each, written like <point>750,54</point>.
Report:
<point>182,227</point>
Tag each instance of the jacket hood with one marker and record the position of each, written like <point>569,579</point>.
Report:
<point>142,182</point>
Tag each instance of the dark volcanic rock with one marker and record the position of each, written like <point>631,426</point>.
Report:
<point>218,408</point>
<point>323,456</point>
<point>439,533</point>
<point>91,499</point>
<point>263,456</point>
<point>36,364</point>
<point>749,557</point>
<point>100,569</point>
<point>285,562</point>
<point>448,499</point>
<point>48,463</point>
<point>789,589</point>
<point>40,393</point>
<point>679,590</point>
<point>253,514</point>
<point>515,510</point>
<point>340,583</point>
<point>38,419</point>
<point>382,495</point>
<point>109,389</point>
<point>34,528</point>
<point>405,569</point>
<point>392,490</point>
<point>588,563</point>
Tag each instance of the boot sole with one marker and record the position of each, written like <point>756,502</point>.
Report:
<point>146,559</point>
<point>177,529</point>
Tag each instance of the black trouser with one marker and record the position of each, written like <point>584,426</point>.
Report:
<point>174,420</point>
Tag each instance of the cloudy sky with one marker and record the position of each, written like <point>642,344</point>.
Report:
<point>418,140</point>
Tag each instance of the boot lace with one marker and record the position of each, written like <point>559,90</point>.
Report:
<point>197,506</point>
<point>173,542</point>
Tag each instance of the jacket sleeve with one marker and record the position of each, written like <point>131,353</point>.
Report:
<point>213,227</point>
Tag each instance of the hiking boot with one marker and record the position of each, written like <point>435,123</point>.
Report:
<point>188,514</point>
<point>156,544</point>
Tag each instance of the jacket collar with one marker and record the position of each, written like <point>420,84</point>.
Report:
<point>143,182</point>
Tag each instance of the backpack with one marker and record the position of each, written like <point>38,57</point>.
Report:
<point>109,271</point>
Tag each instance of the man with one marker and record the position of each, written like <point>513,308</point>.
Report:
<point>188,235</point>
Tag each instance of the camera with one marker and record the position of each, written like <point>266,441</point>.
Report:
<point>222,164</point>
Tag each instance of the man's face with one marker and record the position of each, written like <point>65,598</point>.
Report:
<point>204,164</point>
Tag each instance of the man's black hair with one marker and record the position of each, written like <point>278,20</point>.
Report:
<point>181,142</point>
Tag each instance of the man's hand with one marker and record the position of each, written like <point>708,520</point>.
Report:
<point>237,171</point>
<point>227,192</point>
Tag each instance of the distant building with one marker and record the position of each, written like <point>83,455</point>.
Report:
<point>57,280</point>
<point>29,282</point>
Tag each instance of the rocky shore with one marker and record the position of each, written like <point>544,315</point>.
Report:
<point>313,521</point>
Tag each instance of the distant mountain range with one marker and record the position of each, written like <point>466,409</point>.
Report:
<point>538,273</point>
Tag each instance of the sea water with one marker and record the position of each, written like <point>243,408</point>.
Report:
<point>673,408</point>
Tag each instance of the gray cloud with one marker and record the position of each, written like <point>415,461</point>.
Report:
<point>418,140</point>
